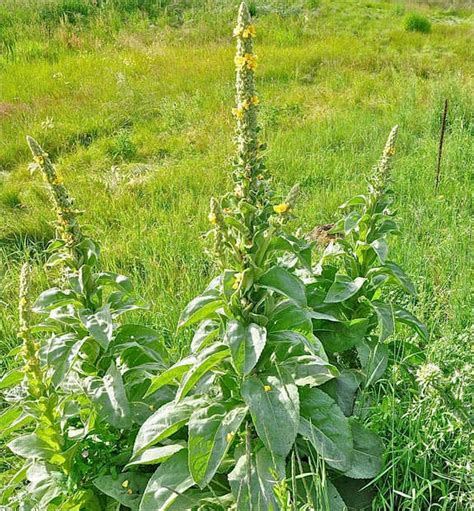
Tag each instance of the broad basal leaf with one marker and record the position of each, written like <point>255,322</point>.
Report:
<point>343,288</point>
<point>171,479</point>
<point>207,331</point>
<point>109,395</point>
<point>337,337</point>
<point>246,344</point>
<point>367,454</point>
<point>99,325</point>
<point>385,316</point>
<point>62,352</point>
<point>54,298</point>
<point>290,316</point>
<point>273,402</point>
<point>164,422</point>
<point>205,361</point>
<point>202,307</point>
<point>285,283</point>
<point>30,446</point>
<point>253,480</point>
<point>172,375</point>
<point>356,493</point>
<point>211,431</point>
<point>310,370</point>
<point>343,389</point>
<point>325,426</point>
<point>126,487</point>
<point>156,455</point>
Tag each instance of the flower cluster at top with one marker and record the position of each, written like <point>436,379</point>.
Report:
<point>381,172</point>
<point>245,32</point>
<point>243,218</point>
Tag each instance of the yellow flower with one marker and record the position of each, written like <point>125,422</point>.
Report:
<point>39,159</point>
<point>238,112</point>
<point>125,483</point>
<point>249,32</point>
<point>238,31</point>
<point>230,436</point>
<point>57,181</point>
<point>212,218</point>
<point>23,301</point>
<point>255,100</point>
<point>237,281</point>
<point>251,61</point>
<point>239,61</point>
<point>129,491</point>
<point>391,151</point>
<point>281,208</point>
<point>267,388</point>
<point>246,104</point>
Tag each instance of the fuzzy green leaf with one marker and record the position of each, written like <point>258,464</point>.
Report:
<point>109,395</point>
<point>211,430</point>
<point>126,488</point>
<point>367,454</point>
<point>273,402</point>
<point>172,375</point>
<point>253,480</point>
<point>205,361</point>
<point>326,427</point>
<point>11,379</point>
<point>343,288</point>
<point>164,422</point>
<point>156,455</point>
<point>385,317</point>
<point>285,283</point>
<point>409,319</point>
<point>246,344</point>
<point>202,307</point>
<point>170,480</point>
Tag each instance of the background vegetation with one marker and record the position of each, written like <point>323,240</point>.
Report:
<point>133,99</point>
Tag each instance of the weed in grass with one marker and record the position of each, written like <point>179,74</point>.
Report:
<point>415,22</point>
<point>323,145</point>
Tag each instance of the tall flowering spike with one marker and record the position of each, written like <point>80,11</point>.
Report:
<point>30,347</point>
<point>381,173</point>
<point>67,224</point>
<point>249,168</point>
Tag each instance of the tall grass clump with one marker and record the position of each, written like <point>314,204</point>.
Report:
<point>267,411</point>
<point>415,22</point>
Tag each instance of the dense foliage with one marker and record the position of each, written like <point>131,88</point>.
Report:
<point>263,412</point>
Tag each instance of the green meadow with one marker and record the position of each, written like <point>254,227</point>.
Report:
<point>132,100</point>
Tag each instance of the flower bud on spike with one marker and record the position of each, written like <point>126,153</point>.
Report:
<point>67,225</point>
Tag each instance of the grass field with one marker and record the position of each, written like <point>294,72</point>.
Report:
<point>135,107</point>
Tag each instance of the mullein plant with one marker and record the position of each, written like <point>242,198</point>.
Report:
<point>259,419</point>
<point>356,272</point>
<point>81,389</point>
<point>260,414</point>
